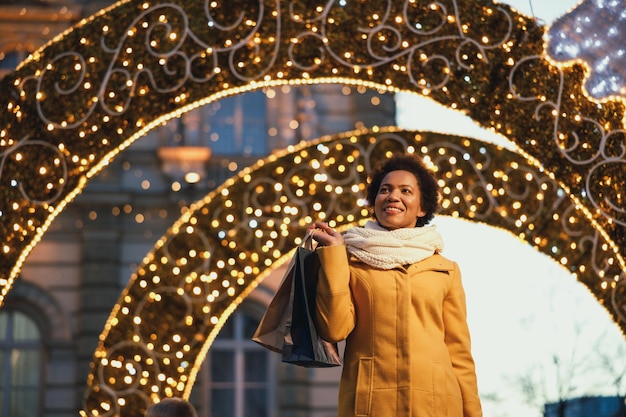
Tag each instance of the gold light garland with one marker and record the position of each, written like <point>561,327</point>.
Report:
<point>83,98</point>
<point>199,272</point>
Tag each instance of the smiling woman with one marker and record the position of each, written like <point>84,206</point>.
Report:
<point>403,193</point>
<point>400,306</point>
<point>394,207</point>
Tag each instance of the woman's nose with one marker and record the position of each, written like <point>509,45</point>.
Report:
<point>392,196</point>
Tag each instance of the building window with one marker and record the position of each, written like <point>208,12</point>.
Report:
<point>10,60</point>
<point>20,365</point>
<point>236,379</point>
<point>232,126</point>
<point>237,125</point>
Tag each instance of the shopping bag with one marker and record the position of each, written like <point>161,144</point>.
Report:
<point>288,326</point>
<point>303,345</point>
<point>272,329</point>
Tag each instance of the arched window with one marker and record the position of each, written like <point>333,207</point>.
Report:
<point>238,377</point>
<point>20,365</point>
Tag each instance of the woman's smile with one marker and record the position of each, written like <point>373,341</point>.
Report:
<point>398,202</point>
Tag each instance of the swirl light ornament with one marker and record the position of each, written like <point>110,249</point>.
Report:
<point>83,98</point>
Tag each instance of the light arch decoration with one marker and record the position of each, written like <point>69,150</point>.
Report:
<point>221,249</point>
<point>80,100</point>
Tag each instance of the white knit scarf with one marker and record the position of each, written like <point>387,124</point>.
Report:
<point>387,249</point>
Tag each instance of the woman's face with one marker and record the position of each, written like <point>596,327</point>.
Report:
<point>398,202</point>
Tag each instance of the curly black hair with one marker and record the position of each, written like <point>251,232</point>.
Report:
<point>429,189</point>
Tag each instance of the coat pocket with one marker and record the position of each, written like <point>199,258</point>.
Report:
<point>364,385</point>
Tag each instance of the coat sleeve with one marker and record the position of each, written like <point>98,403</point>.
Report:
<point>457,338</point>
<point>335,314</point>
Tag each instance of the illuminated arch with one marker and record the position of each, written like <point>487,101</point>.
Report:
<point>80,100</point>
<point>219,251</point>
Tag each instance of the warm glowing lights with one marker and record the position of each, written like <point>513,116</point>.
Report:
<point>475,183</point>
<point>452,157</point>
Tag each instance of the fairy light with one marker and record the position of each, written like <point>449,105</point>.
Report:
<point>504,81</point>
<point>462,167</point>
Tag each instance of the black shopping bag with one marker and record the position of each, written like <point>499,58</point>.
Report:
<point>292,318</point>
<point>306,347</point>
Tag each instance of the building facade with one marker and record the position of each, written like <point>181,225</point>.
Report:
<point>587,407</point>
<point>52,318</point>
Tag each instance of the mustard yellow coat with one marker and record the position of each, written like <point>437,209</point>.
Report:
<point>407,342</point>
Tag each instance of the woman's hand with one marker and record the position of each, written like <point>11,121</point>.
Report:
<point>325,235</point>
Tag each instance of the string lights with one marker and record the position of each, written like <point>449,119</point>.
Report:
<point>76,103</point>
<point>206,264</point>
<point>593,34</point>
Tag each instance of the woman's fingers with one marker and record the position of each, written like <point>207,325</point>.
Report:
<point>325,235</point>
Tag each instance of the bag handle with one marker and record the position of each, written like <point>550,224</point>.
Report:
<point>307,240</point>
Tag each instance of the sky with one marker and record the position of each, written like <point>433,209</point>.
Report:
<point>524,310</point>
